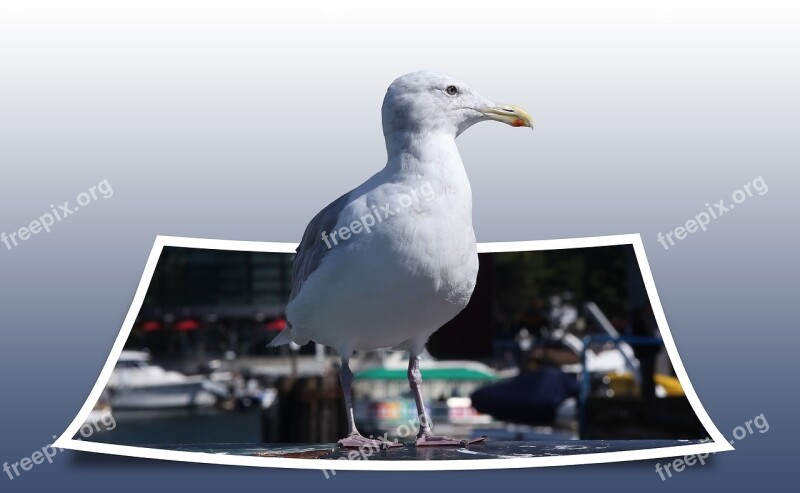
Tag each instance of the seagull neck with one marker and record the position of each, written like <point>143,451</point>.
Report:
<point>415,151</point>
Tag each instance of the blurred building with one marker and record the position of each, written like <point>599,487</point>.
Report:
<point>213,301</point>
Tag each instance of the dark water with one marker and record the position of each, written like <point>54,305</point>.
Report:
<point>184,426</point>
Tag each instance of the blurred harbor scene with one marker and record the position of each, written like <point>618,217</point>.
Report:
<point>554,345</point>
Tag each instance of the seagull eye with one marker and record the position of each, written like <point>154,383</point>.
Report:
<point>451,90</point>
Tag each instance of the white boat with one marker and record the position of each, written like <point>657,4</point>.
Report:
<point>135,383</point>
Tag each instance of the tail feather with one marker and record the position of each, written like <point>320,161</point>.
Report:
<point>285,337</point>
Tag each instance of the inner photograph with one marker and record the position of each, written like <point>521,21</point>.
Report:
<point>557,352</point>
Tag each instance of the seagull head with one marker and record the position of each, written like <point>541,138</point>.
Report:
<point>435,102</point>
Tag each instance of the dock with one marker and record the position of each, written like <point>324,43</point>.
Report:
<point>487,450</point>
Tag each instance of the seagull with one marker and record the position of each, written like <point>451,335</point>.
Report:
<point>388,263</point>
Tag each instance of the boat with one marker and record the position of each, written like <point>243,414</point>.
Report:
<point>572,364</point>
<point>135,383</point>
<point>384,402</point>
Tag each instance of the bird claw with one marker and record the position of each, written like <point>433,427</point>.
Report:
<point>443,441</point>
<point>358,441</point>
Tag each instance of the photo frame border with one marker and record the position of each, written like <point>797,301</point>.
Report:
<point>717,442</point>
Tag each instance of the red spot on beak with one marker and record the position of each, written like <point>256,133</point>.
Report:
<point>518,123</point>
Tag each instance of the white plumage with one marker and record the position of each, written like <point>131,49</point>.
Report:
<point>390,262</point>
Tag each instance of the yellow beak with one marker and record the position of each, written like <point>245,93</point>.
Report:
<point>509,114</point>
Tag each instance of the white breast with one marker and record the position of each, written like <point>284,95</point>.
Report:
<point>411,273</point>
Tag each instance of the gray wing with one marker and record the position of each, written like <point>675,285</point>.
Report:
<point>312,249</point>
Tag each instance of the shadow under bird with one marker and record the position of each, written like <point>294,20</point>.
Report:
<point>388,263</point>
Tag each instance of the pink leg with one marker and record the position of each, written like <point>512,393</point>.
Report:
<point>425,437</point>
<point>354,439</point>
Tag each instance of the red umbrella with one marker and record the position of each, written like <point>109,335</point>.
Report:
<point>277,324</point>
<point>151,325</point>
<point>186,325</point>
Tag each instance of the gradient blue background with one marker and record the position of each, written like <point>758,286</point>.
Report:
<point>239,121</point>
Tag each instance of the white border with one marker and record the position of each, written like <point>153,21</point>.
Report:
<point>719,443</point>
